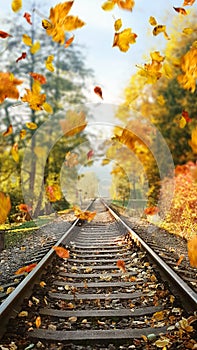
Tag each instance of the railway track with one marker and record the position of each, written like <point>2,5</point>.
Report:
<point>113,292</point>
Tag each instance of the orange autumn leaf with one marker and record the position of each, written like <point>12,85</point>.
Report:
<point>189,70</point>
<point>39,77</point>
<point>74,123</point>
<point>152,71</point>
<point>188,2</point>
<point>5,207</point>
<point>151,210</point>
<point>192,251</point>
<point>193,141</point>
<point>38,322</point>
<point>8,86</point>
<point>71,159</point>
<point>23,133</point>
<point>8,131</point>
<point>61,22</point>
<point>84,215</point>
<point>180,260</point>
<point>123,4</point>
<point>27,268</point>
<point>24,208</point>
<point>4,35</point>
<point>31,125</point>
<point>34,98</point>
<point>61,252</point>
<point>180,10</point>
<point>98,91</point>
<point>22,57</point>
<point>53,193</point>
<point>27,16</point>
<point>121,265</point>
<point>69,41</point>
<point>124,39</point>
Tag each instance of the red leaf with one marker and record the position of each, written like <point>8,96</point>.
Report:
<point>4,35</point>
<point>24,55</point>
<point>98,91</point>
<point>61,252</point>
<point>24,208</point>
<point>90,154</point>
<point>8,131</point>
<point>39,77</point>
<point>121,265</point>
<point>27,268</point>
<point>185,115</point>
<point>27,16</point>
<point>151,210</point>
<point>69,41</point>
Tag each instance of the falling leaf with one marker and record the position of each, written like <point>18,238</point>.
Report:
<point>38,322</point>
<point>61,22</point>
<point>192,251</point>
<point>108,5</point>
<point>152,71</point>
<point>14,152</point>
<point>53,193</point>
<point>185,115</point>
<point>5,205</point>
<point>180,10</point>
<point>167,71</point>
<point>188,31</point>
<point>160,28</point>
<point>4,35</point>
<point>188,2</point>
<point>24,208</point>
<point>46,24</point>
<point>123,4</point>
<point>23,133</point>
<point>27,16</point>
<point>35,47</point>
<point>71,159</point>
<point>151,210</point>
<point>34,98</point>
<point>182,122</point>
<point>118,24</point>
<point>69,41</point>
<point>124,39</point>
<point>39,77</point>
<point>193,141</point>
<point>152,21</point>
<point>155,55</point>
<point>121,265</point>
<point>16,5</point>
<point>9,131</point>
<point>22,57</point>
<point>189,68</point>
<point>98,91</point>
<point>90,154</point>
<point>27,269</point>
<point>48,63</point>
<point>27,40</point>
<point>31,125</point>
<point>61,252</point>
<point>8,87</point>
<point>73,123</point>
<point>47,107</point>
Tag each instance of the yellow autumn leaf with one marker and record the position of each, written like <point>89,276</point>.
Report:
<point>35,47</point>
<point>156,56</point>
<point>31,125</point>
<point>46,24</point>
<point>161,100</point>
<point>8,87</point>
<point>152,21</point>
<point>72,23</point>
<point>34,98</point>
<point>27,40</point>
<point>47,107</point>
<point>160,28</point>
<point>161,343</point>
<point>108,5</point>
<point>193,141</point>
<point>188,31</point>
<point>124,39</point>
<point>118,24</point>
<point>16,5</point>
<point>5,207</point>
<point>189,70</point>
<point>105,161</point>
<point>167,71</point>
<point>49,64</point>
<point>14,152</point>
<point>22,134</point>
<point>182,122</point>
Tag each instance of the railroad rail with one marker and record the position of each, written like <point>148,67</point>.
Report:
<point>112,290</point>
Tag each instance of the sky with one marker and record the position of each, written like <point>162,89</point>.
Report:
<point>113,68</point>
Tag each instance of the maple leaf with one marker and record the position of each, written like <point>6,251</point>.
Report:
<point>27,16</point>
<point>16,5</point>
<point>98,91</point>
<point>124,39</point>
<point>8,87</point>
<point>84,215</point>
<point>34,98</point>
<point>74,123</point>
<point>61,22</point>
<point>5,207</point>
<point>193,141</point>
<point>71,159</point>
<point>180,10</point>
<point>23,56</point>
<point>192,251</point>
<point>189,67</point>
<point>9,131</point>
<point>27,268</point>
<point>61,252</point>
<point>39,77</point>
<point>4,35</point>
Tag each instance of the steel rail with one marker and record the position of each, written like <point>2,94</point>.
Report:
<point>167,270</point>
